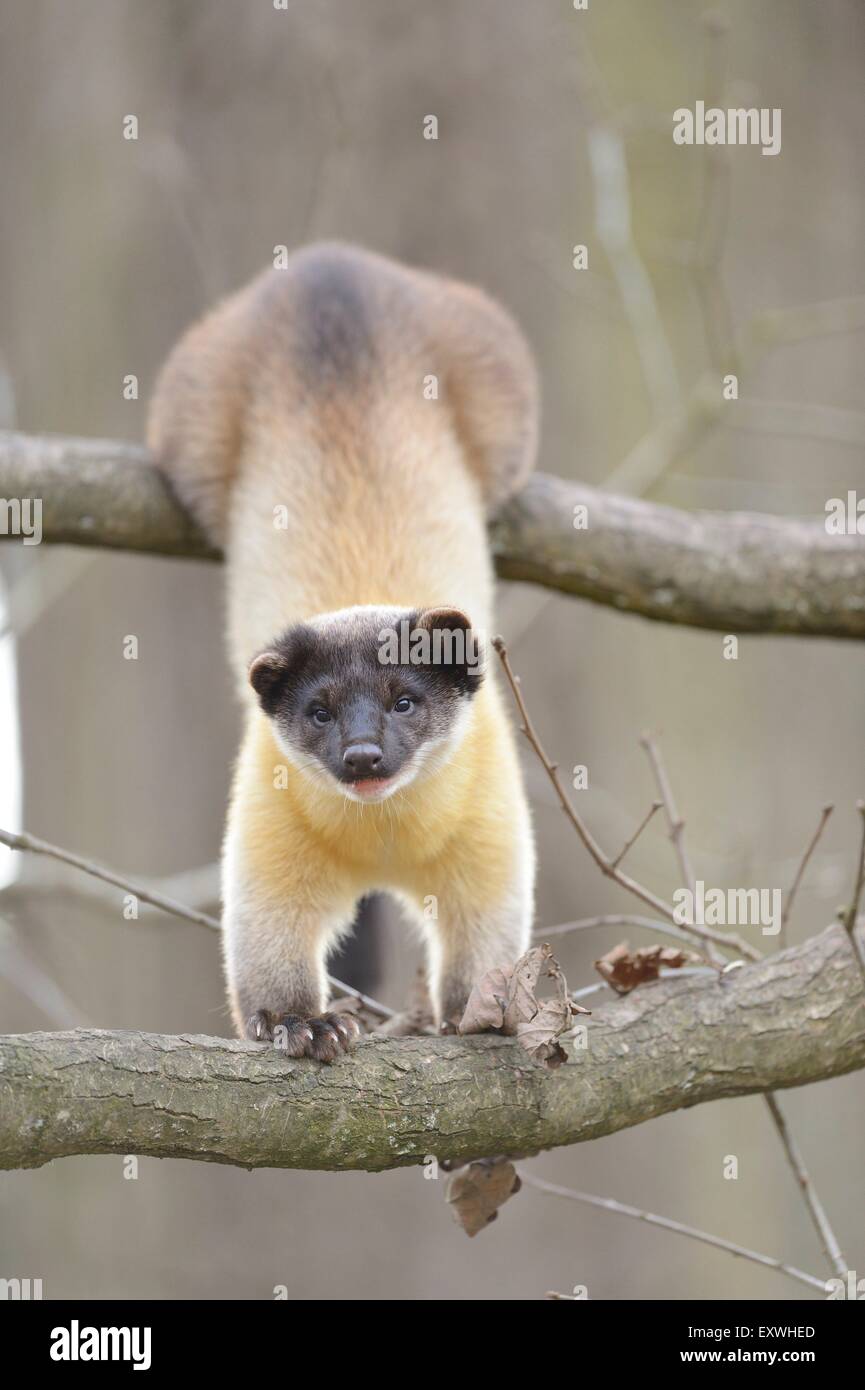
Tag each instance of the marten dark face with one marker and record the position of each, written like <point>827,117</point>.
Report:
<point>369,697</point>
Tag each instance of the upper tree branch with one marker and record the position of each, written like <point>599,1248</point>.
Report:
<point>732,571</point>
<point>792,1018</point>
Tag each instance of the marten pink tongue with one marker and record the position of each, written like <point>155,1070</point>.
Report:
<point>368,785</point>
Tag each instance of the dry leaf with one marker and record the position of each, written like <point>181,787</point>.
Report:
<point>539,1036</point>
<point>477,1191</point>
<point>522,1002</point>
<point>486,1003</point>
<point>624,969</point>
<point>506,999</point>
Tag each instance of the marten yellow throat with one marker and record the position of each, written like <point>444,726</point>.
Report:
<point>341,428</point>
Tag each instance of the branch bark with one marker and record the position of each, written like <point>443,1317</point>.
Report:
<point>787,1020</point>
<point>733,572</point>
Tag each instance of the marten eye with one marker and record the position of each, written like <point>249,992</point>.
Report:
<point>404,705</point>
<point>320,716</point>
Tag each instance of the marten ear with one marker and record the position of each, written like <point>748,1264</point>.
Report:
<point>267,675</point>
<point>455,649</point>
<point>453,619</point>
<point>270,672</point>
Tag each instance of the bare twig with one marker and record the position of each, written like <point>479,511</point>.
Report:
<point>158,900</point>
<point>609,168</point>
<point>812,1201</point>
<point>87,866</point>
<point>681,972</point>
<point>28,977</point>
<point>850,916</point>
<point>724,939</point>
<point>714,212</point>
<point>655,806</point>
<point>677,1227</point>
<point>670,438</point>
<point>800,420</point>
<point>828,1239</point>
<point>797,323</point>
<point>674,820</point>
<point>615,919</point>
<point>686,426</point>
<point>810,1196</point>
<point>800,873</point>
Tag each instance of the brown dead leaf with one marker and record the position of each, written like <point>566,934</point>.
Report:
<point>507,999</point>
<point>486,1003</point>
<point>477,1191</point>
<point>624,969</point>
<point>539,1036</point>
<point>522,1003</point>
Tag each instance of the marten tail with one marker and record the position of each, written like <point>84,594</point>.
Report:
<point>337,317</point>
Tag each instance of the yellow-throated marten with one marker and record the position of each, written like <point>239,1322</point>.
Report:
<point>342,427</point>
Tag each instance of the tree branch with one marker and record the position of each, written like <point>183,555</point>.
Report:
<point>677,1227</point>
<point>165,904</point>
<point>727,940</point>
<point>730,571</point>
<point>791,1019</point>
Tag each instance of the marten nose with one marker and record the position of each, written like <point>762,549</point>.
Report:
<point>362,758</point>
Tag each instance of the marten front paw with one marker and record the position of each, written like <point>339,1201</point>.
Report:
<point>323,1039</point>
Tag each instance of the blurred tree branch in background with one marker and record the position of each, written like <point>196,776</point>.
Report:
<point>729,571</point>
<point>793,1018</point>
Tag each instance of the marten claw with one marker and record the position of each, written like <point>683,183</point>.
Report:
<point>323,1039</point>
<point>258,1027</point>
<point>346,1025</point>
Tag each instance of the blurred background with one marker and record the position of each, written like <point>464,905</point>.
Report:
<point>260,127</point>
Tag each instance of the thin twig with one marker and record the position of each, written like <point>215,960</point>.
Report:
<point>146,895</point>
<point>677,973</point>
<point>613,225</point>
<point>724,939</point>
<point>714,212</point>
<point>828,1239</point>
<point>655,806</point>
<point>812,1201</point>
<point>800,420</point>
<point>615,919</point>
<point>800,873</point>
<point>678,1228</point>
<point>27,976</point>
<point>850,916</point>
<point>674,820</point>
<point>703,408</point>
<point>169,905</point>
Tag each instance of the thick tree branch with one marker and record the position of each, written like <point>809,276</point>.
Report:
<point>734,572</point>
<point>731,571</point>
<point>793,1018</point>
<point>98,493</point>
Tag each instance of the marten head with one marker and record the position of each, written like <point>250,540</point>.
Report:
<point>368,698</point>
